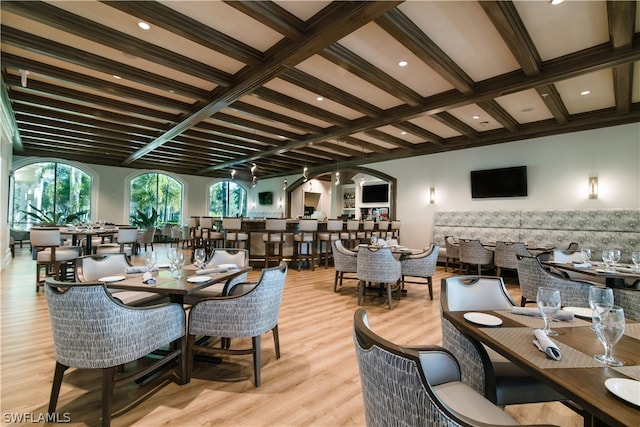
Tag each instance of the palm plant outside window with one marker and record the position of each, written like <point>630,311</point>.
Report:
<point>50,193</point>
<point>156,193</point>
<point>227,199</point>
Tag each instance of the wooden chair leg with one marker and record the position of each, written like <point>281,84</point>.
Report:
<point>276,341</point>
<point>256,359</point>
<point>55,387</point>
<point>108,374</point>
<point>185,378</point>
<point>335,281</point>
<point>430,284</point>
<point>190,343</point>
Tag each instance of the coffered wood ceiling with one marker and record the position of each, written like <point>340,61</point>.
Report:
<point>220,85</point>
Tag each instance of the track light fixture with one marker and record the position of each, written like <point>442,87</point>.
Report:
<point>305,173</point>
<point>284,185</point>
<point>233,173</point>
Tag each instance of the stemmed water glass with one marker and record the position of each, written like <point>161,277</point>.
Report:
<point>586,255</point>
<point>150,260</point>
<point>607,258</point>
<point>615,258</point>
<point>548,300</point>
<point>171,257</point>
<point>609,329</point>
<point>179,262</point>
<point>602,296</point>
<point>199,257</point>
<point>635,258</point>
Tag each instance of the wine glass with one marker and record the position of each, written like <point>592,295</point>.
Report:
<point>199,257</point>
<point>586,254</point>
<point>171,257</point>
<point>150,260</point>
<point>615,258</point>
<point>602,296</point>
<point>548,300</point>
<point>179,262</point>
<point>607,258</point>
<point>609,328</point>
<point>635,258</point>
<point>374,240</point>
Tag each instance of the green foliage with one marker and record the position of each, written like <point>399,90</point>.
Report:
<point>142,220</point>
<point>49,217</point>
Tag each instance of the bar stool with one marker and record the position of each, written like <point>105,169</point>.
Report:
<point>208,234</point>
<point>307,238</point>
<point>334,228</point>
<point>395,230</point>
<point>233,235</point>
<point>50,256</point>
<point>367,230</point>
<point>193,222</point>
<point>274,237</point>
<point>383,230</point>
<point>351,235</point>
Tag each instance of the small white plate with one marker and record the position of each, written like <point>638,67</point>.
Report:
<point>483,319</point>
<point>585,312</point>
<point>111,279</point>
<point>198,279</point>
<point>625,389</point>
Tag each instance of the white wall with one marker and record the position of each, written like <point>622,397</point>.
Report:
<point>558,170</point>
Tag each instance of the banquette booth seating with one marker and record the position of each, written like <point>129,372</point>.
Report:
<point>484,370</point>
<point>420,265</point>
<point>51,257</point>
<point>92,330</point>
<point>416,385</point>
<point>597,229</point>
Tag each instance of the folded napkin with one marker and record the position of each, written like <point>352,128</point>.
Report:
<point>526,311</point>
<point>139,269</point>
<point>229,266</point>
<point>546,345</point>
<point>218,269</point>
<point>148,279</point>
<point>582,265</point>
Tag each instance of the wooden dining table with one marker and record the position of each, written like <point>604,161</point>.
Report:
<point>613,277</point>
<point>176,288</point>
<point>578,376</point>
<point>87,233</point>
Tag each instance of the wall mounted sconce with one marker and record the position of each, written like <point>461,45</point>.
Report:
<point>280,202</point>
<point>233,173</point>
<point>593,187</point>
<point>432,195</point>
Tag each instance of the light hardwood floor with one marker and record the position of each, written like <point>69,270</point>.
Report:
<point>314,383</point>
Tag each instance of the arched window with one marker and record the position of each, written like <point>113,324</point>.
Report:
<point>156,194</point>
<point>227,198</point>
<point>50,193</point>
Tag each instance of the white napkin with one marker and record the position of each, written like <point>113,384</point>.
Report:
<point>229,266</point>
<point>527,311</point>
<point>148,279</point>
<point>546,345</point>
<point>582,265</point>
<point>218,269</point>
<point>139,269</point>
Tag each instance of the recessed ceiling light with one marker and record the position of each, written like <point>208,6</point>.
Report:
<point>555,2</point>
<point>116,77</point>
<point>144,25</point>
<point>527,110</point>
<point>403,63</point>
<point>476,117</point>
<point>585,92</point>
<point>319,98</point>
<point>403,132</point>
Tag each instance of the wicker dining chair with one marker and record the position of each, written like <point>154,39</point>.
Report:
<point>378,265</point>
<point>420,265</point>
<point>453,253</point>
<point>344,262</point>
<point>473,253</point>
<point>506,255</point>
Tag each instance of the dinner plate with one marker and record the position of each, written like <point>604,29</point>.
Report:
<point>111,279</point>
<point>198,279</point>
<point>625,389</point>
<point>580,311</point>
<point>483,319</point>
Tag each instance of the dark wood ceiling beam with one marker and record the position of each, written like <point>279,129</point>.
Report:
<point>38,150</point>
<point>456,124</point>
<point>390,139</point>
<point>621,18</point>
<point>500,114</point>
<point>162,16</point>
<point>61,52</point>
<point>398,25</point>
<point>91,30</point>
<point>92,83</point>
<point>9,121</point>
<point>505,18</point>
<point>351,62</point>
<point>94,143</point>
<point>338,20</point>
<point>314,85</point>
<point>551,98</point>
<point>420,132</point>
<point>273,16</point>
<point>299,106</point>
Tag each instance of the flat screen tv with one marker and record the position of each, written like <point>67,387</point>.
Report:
<point>503,182</point>
<point>265,198</point>
<point>378,193</point>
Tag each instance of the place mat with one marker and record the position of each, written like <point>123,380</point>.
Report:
<point>630,371</point>
<point>538,322</point>
<point>632,330</point>
<point>522,340</point>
